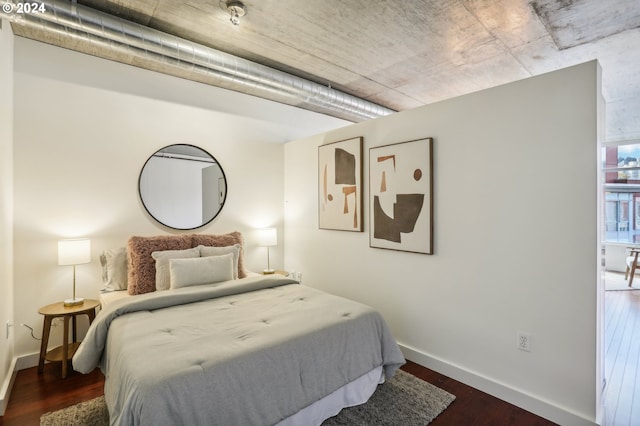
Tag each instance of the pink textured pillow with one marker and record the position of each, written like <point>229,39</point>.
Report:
<point>222,241</point>
<point>142,267</point>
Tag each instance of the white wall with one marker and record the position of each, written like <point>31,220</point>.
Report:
<point>84,128</point>
<point>6,207</point>
<point>515,187</point>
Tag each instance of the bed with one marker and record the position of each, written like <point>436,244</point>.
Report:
<point>258,350</point>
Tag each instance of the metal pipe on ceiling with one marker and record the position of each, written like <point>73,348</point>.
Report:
<point>228,71</point>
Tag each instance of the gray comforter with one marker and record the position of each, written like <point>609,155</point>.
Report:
<point>246,352</point>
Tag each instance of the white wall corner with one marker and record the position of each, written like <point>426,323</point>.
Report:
<point>518,398</point>
<point>6,209</point>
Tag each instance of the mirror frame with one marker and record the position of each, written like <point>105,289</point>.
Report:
<point>146,208</point>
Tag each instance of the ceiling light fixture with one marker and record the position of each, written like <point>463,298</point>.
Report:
<point>236,9</point>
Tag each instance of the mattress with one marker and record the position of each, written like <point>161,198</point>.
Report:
<point>270,349</point>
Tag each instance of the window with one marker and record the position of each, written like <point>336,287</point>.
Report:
<point>621,170</point>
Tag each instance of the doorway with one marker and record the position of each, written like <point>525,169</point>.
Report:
<point>620,230</point>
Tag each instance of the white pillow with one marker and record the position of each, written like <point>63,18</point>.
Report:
<point>114,268</point>
<point>202,270</point>
<point>217,251</point>
<point>163,277</point>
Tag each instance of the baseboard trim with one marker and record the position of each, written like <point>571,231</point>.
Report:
<point>27,361</point>
<point>525,401</point>
<point>17,364</point>
<point>5,393</point>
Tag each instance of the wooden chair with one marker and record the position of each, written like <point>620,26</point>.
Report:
<point>632,264</point>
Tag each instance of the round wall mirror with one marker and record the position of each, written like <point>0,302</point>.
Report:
<point>182,186</point>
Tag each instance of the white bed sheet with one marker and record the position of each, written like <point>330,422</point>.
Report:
<point>108,297</point>
<point>355,393</point>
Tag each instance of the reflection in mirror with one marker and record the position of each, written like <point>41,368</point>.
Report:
<point>182,186</point>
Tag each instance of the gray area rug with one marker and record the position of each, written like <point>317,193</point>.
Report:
<point>89,413</point>
<point>404,400</point>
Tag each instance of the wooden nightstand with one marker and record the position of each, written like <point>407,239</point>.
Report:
<point>65,352</point>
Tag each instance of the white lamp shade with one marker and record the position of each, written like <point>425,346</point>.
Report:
<point>267,237</point>
<point>74,252</point>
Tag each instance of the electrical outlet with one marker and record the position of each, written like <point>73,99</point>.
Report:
<point>524,341</point>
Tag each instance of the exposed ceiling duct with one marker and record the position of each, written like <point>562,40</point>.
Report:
<point>224,70</point>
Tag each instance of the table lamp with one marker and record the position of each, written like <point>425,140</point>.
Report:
<point>74,252</point>
<point>268,237</point>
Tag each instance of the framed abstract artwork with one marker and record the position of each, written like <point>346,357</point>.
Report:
<point>340,185</point>
<point>401,196</point>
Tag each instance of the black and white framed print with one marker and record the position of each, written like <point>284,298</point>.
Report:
<point>401,196</point>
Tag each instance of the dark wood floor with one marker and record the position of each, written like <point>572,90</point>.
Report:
<point>473,407</point>
<point>622,358</point>
<point>34,395</point>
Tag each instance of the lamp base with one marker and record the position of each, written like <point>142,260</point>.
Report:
<point>269,271</point>
<point>74,302</point>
